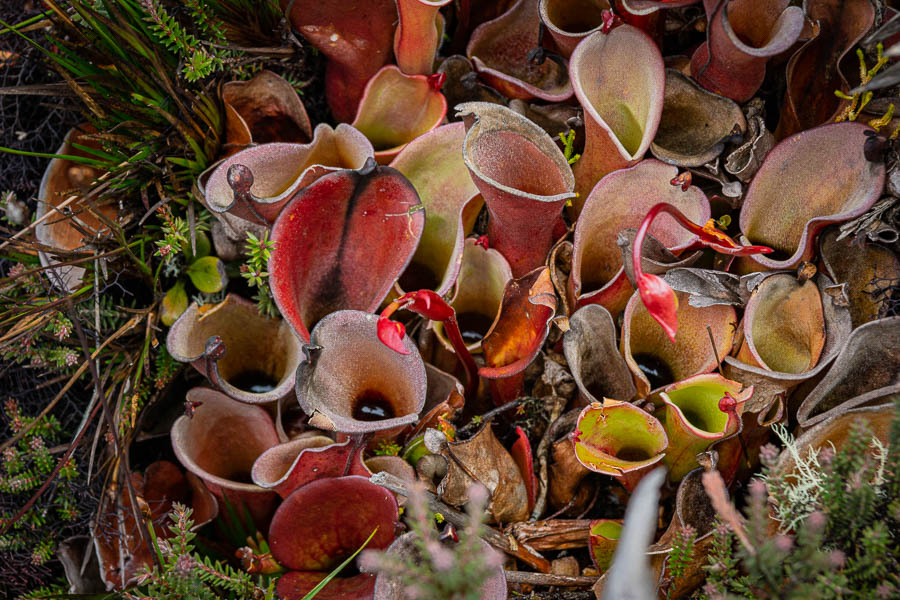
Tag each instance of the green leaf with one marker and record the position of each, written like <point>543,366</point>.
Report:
<point>174,303</point>
<point>208,274</point>
<point>73,158</point>
<point>203,247</point>
<point>312,593</point>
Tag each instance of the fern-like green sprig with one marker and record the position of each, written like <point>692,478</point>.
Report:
<point>259,251</point>
<point>199,61</point>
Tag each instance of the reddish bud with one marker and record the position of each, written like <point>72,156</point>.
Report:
<point>430,305</point>
<point>482,241</point>
<point>784,543</point>
<point>727,403</point>
<point>449,533</point>
<point>436,81</point>
<point>816,520</point>
<point>683,179</point>
<point>717,240</point>
<point>391,335</point>
<point>190,406</point>
<point>610,20</point>
<point>837,559</point>
<point>758,489</point>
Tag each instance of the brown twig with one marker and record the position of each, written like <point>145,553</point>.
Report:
<point>484,418</point>
<point>549,579</point>
<point>460,520</point>
<point>543,454</point>
<point>62,461</point>
<point>78,373</point>
<point>555,534</point>
<point>111,424</point>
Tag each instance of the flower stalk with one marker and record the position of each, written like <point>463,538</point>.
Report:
<point>656,294</point>
<point>431,306</point>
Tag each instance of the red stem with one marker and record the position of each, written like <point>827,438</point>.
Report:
<point>453,334</point>
<point>459,346</point>
<point>639,239</point>
<point>717,241</point>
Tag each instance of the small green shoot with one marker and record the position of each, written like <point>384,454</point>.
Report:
<point>312,593</point>
<point>568,139</point>
<point>859,101</point>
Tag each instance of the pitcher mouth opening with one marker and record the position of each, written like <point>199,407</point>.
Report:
<point>633,454</point>
<point>254,381</point>
<point>657,372</point>
<point>372,405</point>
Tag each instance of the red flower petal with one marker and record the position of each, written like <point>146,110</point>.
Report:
<point>660,301</point>
<point>721,242</point>
<point>521,453</point>
<point>427,303</point>
<point>391,335</point>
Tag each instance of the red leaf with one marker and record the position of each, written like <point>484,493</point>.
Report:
<point>683,179</point>
<point>610,20</point>
<point>324,521</point>
<point>342,242</point>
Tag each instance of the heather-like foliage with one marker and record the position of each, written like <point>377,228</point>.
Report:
<point>23,468</point>
<point>440,567</point>
<point>185,574</point>
<point>840,522</point>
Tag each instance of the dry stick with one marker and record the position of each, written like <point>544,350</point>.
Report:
<point>552,534</point>
<point>41,89</point>
<point>591,503</point>
<point>96,440</point>
<point>37,222</point>
<point>41,309</point>
<point>461,520</point>
<point>24,324</point>
<point>53,474</point>
<point>78,373</point>
<point>111,424</point>
<point>97,433</point>
<point>257,50</point>
<point>485,417</point>
<point>549,579</point>
<point>543,451</point>
<point>63,263</point>
<point>564,594</point>
<point>57,208</point>
<point>566,507</point>
<point>32,245</point>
